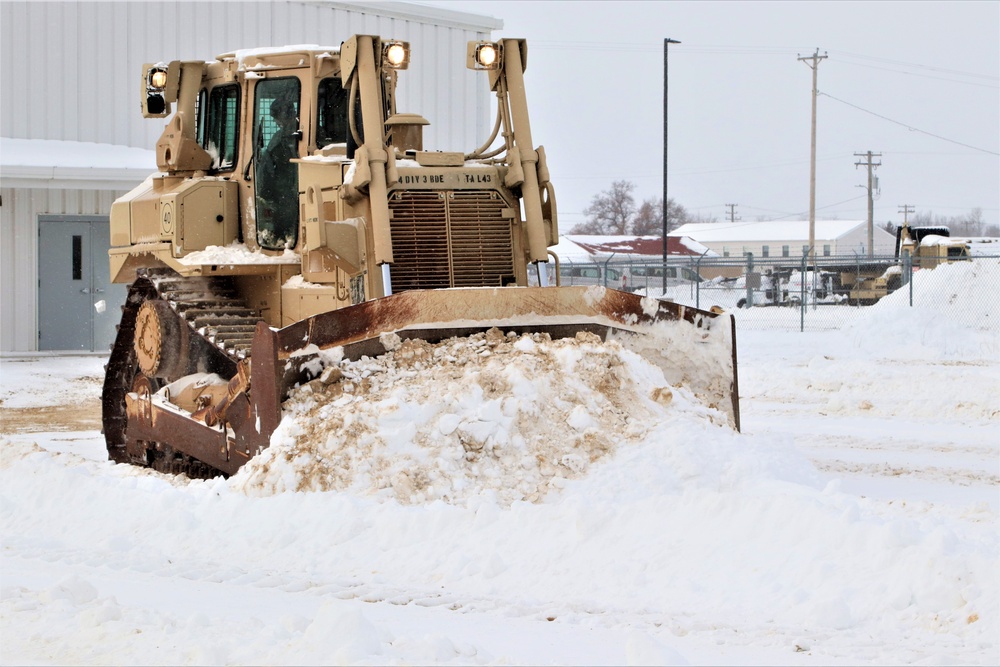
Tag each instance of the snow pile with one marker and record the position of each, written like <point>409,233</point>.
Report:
<point>955,314</point>
<point>511,416</point>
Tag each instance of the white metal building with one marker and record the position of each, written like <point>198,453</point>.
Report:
<point>72,137</point>
<point>789,238</point>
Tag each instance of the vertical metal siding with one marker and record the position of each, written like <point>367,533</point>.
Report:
<point>77,78</point>
<point>9,269</point>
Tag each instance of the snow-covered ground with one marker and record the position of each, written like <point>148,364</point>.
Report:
<point>565,506</point>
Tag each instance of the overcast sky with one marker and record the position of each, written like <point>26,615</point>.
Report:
<point>917,82</point>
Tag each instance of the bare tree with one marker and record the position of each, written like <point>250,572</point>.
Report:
<point>971,224</point>
<point>974,222</point>
<point>614,212</point>
<point>649,219</point>
<point>931,219</point>
<point>610,212</point>
<point>699,218</point>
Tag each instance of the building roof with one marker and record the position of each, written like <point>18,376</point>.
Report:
<point>586,247</point>
<point>772,230</point>
<point>413,11</point>
<point>46,163</point>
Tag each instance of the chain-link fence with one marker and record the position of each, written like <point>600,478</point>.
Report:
<point>794,293</point>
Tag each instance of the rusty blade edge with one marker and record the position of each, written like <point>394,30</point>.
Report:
<point>479,308</point>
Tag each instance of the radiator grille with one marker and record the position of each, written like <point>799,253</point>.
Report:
<point>450,239</point>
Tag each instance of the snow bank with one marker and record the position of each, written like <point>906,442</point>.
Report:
<point>955,315</point>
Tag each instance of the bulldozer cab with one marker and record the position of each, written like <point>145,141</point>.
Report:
<point>929,246</point>
<point>298,101</point>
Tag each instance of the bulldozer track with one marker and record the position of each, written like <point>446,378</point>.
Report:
<point>214,312</point>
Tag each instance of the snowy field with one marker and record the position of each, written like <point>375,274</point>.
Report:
<point>564,507</point>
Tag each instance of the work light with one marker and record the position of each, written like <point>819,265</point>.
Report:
<point>483,55</point>
<point>396,54</point>
<point>157,78</point>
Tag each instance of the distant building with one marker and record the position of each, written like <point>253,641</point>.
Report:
<point>789,238</point>
<point>593,248</point>
<point>627,262</point>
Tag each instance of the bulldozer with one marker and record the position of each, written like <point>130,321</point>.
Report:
<point>917,247</point>
<point>296,212</point>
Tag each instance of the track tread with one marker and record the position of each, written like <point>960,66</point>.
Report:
<point>212,311</point>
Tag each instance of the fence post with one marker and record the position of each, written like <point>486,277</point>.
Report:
<point>749,280</point>
<point>857,279</point>
<point>604,271</point>
<point>802,291</point>
<point>697,297</point>
<point>908,273</point>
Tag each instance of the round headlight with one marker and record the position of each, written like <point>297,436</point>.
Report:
<point>396,54</point>
<point>158,79</point>
<point>487,55</point>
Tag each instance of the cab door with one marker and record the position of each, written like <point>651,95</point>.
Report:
<point>276,141</point>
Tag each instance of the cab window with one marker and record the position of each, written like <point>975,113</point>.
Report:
<point>222,126</point>
<point>199,114</point>
<point>331,113</point>
<point>276,177</point>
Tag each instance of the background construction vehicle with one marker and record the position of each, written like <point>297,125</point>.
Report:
<point>916,248</point>
<point>296,211</point>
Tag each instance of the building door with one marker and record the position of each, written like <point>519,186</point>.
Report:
<point>78,307</point>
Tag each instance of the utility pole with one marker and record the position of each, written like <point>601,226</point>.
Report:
<point>906,210</point>
<point>872,185</point>
<point>814,66</point>
<point>732,212</point>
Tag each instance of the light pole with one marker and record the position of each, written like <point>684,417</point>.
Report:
<point>666,215</point>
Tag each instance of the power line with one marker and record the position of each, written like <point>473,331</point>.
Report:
<point>918,66</point>
<point>759,166</point>
<point>823,208</point>
<point>785,214</point>
<point>910,127</point>
<point>654,46</point>
<point>750,167</point>
<point>928,76</point>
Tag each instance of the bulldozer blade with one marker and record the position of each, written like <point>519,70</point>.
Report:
<point>694,348</point>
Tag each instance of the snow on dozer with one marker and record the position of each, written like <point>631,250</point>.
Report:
<point>296,211</point>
